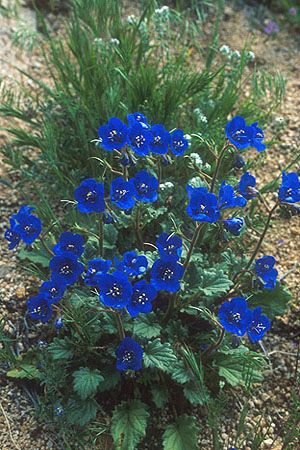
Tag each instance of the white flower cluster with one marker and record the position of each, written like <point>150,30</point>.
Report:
<point>106,43</point>
<point>163,11</point>
<point>167,186</point>
<point>196,159</point>
<point>234,55</point>
<point>200,116</point>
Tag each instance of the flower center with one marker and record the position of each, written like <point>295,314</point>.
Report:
<point>70,247</point>
<point>115,291</point>
<point>168,274</point>
<point>142,187</point>
<point>178,143</point>
<point>235,317</point>
<point>140,298</point>
<point>65,270</point>
<point>139,140</point>
<point>127,356</point>
<point>91,196</point>
<point>121,192</point>
<point>114,136</point>
<point>259,328</point>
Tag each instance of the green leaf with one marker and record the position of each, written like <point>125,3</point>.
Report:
<point>129,422</point>
<point>272,301</point>
<point>153,213</point>
<point>159,395</point>
<point>180,373</point>
<point>160,356</point>
<point>240,366</point>
<point>110,236</point>
<point>24,371</point>
<point>80,412</point>
<point>196,394</point>
<point>110,381</point>
<point>86,382</point>
<point>37,256</point>
<point>61,349</point>
<point>146,326</point>
<point>182,435</point>
<point>213,282</point>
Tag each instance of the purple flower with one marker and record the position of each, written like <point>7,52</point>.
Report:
<point>271,27</point>
<point>258,325</point>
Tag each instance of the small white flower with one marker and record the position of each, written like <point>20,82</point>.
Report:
<point>131,19</point>
<point>225,50</point>
<point>251,56</point>
<point>196,182</point>
<point>168,185</point>
<point>163,10</point>
<point>235,55</point>
<point>115,41</point>
<point>196,159</point>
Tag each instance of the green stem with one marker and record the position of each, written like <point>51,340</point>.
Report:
<point>120,325</point>
<point>138,226</point>
<point>258,245</point>
<point>193,244</point>
<point>159,171</point>
<point>48,250</point>
<point>101,235</point>
<point>219,161</point>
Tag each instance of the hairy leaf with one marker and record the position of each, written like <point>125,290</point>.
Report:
<point>86,382</point>
<point>129,421</point>
<point>80,412</point>
<point>160,356</point>
<point>61,348</point>
<point>272,301</point>
<point>182,435</point>
<point>146,326</point>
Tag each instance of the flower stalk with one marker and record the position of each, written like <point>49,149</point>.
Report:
<point>219,161</point>
<point>101,235</point>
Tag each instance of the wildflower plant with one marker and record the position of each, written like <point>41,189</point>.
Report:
<point>143,287</point>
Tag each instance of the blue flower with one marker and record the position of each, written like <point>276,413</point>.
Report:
<point>113,135</point>
<point>246,186</point>
<point>178,142</point>
<point>12,236</point>
<point>264,268</point>
<point>132,264</point>
<point>129,355</point>
<point>257,137</point>
<point>58,323</point>
<point>145,186</point>
<point>90,196</point>
<point>239,162</point>
<point>228,198</point>
<point>160,139</point>
<point>166,275</point>
<point>65,268</point>
<point>124,159</point>
<point>258,326</point>
<point>69,242</point>
<point>28,226</point>
<point>203,205</point>
<point>96,266</point>
<point>289,190</point>
<point>53,290</point>
<point>142,297</point>
<point>169,246</point>
<point>138,117</point>
<point>39,308</point>
<point>242,135</point>
<point>235,316</point>
<point>238,133</point>
<point>108,218</point>
<point>114,290</point>
<point>234,225</point>
<point>139,139</point>
<point>122,193</point>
